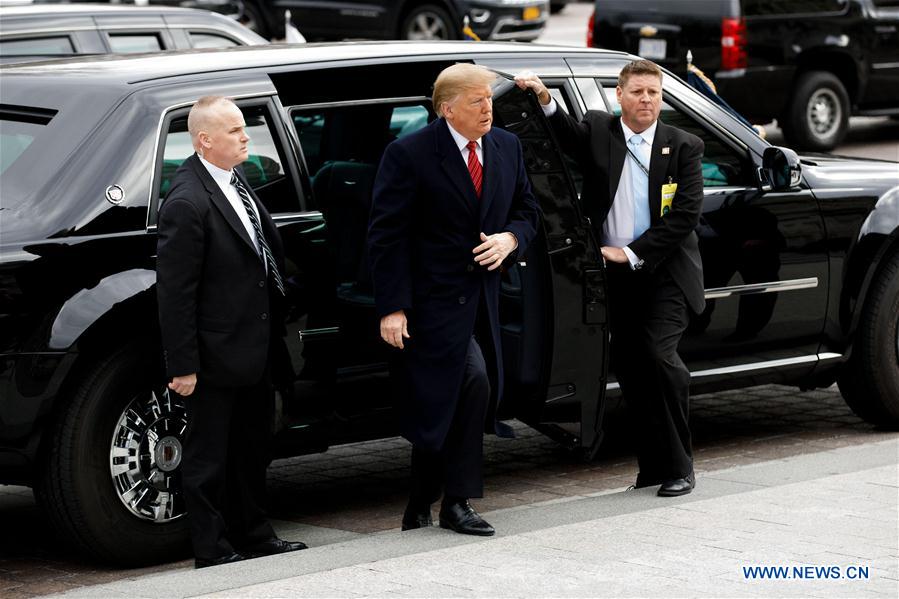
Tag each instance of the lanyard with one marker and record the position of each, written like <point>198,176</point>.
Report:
<point>637,160</point>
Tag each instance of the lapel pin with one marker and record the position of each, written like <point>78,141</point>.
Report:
<point>666,150</point>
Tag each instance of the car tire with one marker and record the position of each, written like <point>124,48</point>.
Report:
<point>77,487</point>
<point>817,118</point>
<point>870,380</point>
<point>428,22</point>
<point>253,19</point>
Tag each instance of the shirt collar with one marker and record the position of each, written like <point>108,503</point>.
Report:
<point>461,140</point>
<point>648,135</point>
<point>220,175</point>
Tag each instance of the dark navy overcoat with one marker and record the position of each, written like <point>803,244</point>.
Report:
<point>425,221</point>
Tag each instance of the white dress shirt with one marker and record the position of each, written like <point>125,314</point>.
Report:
<point>618,228</point>
<point>462,144</point>
<point>223,180</point>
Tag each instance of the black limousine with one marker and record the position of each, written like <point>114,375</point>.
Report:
<point>801,262</point>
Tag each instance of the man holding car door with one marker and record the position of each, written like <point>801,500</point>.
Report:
<point>643,192</point>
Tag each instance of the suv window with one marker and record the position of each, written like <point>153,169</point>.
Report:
<point>560,95</point>
<point>42,46</point>
<point>722,166</point>
<point>342,147</point>
<point>753,8</point>
<point>210,40</point>
<point>126,43</point>
<point>264,169</point>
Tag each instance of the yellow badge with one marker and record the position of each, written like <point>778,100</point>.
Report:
<point>668,191</point>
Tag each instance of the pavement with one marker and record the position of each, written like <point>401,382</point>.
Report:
<point>828,518</point>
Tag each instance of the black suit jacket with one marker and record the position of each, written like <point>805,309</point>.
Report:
<point>425,222</point>
<point>670,242</point>
<point>216,304</point>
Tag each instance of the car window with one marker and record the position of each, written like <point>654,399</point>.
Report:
<point>42,46</point>
<point>342,147</point>
<point>562,99</point>
<point>722,166</point>
<point>126,43</point>
<point>210,40</point>
<point>753,8</point>
<point>264,169</point>
<point>15,137</point>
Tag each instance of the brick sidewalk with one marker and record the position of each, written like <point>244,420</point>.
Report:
<point>361,488</point>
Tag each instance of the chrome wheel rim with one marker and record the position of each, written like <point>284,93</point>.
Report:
<point>824,113</point>
<point>427,25</point>
<point>145,456</point>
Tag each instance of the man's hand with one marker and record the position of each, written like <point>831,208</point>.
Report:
<point>184,385</point>
<point>394,329</point>
<point>616,255</point>
<point>495,249</point>
<point>527,80</point>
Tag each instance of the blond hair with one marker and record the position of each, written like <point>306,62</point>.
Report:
<point>201,113</point>
<point>456,79</point>
<point>639,67</point>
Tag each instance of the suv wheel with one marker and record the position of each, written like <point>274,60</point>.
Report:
<point>818,115</point>
<point>111,475</point>
<point>870,380</point>
<point>428,22</point>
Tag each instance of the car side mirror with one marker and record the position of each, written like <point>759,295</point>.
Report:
<point>780,170</point>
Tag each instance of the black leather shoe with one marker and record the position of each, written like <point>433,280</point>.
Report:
<point>273,547</point>
<point>417,517</point>
<point>678,486</point>
<point>462,518</point>
<point>218,561</point>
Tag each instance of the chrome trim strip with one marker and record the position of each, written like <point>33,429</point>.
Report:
<point>307,334</point>
<point>304,107</point>
<point>753,366</point>
<point>756,288</point>
<point>885,65</point>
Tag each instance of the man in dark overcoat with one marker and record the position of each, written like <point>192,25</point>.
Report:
<point>452,203</point>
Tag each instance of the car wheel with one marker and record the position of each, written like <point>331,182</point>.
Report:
<point>870,380</point>
<point>252,19</point>
<point>818,115</point>
<point>428,22</point>
<point>111,474</point>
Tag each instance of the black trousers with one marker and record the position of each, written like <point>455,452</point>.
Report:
<point>648,314</point>
<point>226,449</point>
<point>457,470</point>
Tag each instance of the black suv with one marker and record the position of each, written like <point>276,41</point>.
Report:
<point>801,262</point>
<point>810,64</point>
<point>520,20</point>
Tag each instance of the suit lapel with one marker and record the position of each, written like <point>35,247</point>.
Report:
<point>453,166</point>
<point>617,154</point>
<point>493,164</point>
<point>218,199</point>
<point>658,166</point>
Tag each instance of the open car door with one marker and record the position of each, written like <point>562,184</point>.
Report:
<point>553,300</point>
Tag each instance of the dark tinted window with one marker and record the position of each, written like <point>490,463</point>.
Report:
<point>210,40</point>
<point>886,3</point>
<point>564,102</point>
<point>126,43</point>
<point>43,46</point>
<point>264,169</point>
<point>791,7</point>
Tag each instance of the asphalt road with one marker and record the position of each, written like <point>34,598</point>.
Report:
<point>867,138</point>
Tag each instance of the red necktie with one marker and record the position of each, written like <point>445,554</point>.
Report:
<point>474,167</point>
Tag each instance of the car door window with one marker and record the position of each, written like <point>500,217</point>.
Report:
<point>264,169</point>
<point>722,166</point>
<point>565,102</point>
<point>210,40</point>
<point>128,43</point>
<point>42,46</point>
<point>342,147</point>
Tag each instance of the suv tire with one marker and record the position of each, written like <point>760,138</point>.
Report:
<point>818,115</point>
<point>76,486</point>
<point>869,382</point>
<point>428,22</point>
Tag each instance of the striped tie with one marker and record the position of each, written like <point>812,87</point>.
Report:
<point>474,168</point>
<point>264,253</point>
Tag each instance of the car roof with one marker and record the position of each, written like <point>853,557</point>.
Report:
<point>135,68</point>
<point>33,10</point>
